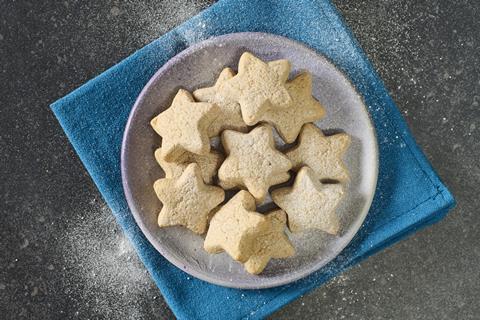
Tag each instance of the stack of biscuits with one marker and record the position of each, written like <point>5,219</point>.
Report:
<point>244,109</point>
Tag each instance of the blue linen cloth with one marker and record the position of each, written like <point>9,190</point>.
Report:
<point>409,194</point>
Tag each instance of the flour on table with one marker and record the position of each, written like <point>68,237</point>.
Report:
<point>102,263</point>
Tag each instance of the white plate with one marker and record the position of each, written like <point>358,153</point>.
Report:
<point>198,66</point>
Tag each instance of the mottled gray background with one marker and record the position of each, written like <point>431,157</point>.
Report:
<point>62,255</point>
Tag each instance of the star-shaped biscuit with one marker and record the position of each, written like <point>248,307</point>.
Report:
<point>187,201</point>
<point>273,243</point>
<point>322,154</point>
<point>304,108</point>
<point>235,227</point>
<point>230,115</point>
<point>208,164</point>
<point>258,86</point>
<point>183,126</point>
<point>310,204</point>
<point>252,161</point>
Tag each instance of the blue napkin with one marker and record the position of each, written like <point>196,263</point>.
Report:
<point>409,194</point>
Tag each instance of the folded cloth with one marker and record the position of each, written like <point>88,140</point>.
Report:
<point>409,194</point>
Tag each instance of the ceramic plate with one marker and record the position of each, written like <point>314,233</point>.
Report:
<point>198,66</point>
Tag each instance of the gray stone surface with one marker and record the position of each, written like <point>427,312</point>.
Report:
<point>62,255</point>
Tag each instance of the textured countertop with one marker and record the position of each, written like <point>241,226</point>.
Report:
<point>62,255</point>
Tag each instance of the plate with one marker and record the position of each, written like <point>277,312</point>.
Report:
<point>198,66</point>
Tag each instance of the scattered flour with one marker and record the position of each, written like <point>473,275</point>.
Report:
<point>103,265</point>
<point>154,20</point>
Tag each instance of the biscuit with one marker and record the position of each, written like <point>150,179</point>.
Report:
<point>258,86</point>
<point>273,243</point>
<point>235,227</point>
<point>322,154</point>
<point>208,164</point>
<point>183,126</point>
<point>230,115</point>
<point>310,204</point>
<point>304,108</point>
<point>187,200</point>
<point>252,161</point>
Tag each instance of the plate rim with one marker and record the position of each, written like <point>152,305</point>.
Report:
<point>128,193</point>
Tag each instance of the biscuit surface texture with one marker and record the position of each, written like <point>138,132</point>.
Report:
<point>273,243</point>
<point>303,109</point>
<point>252,161</point>
<point>183,126</point>
<point>258,86</point>
<point>187,200</point>
<point>208,164</point>
<point>310,204</point>
<point>230,115</point>
<point>321,153</point>
<point>235,227</point>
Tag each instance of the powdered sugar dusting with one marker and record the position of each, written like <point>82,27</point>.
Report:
<point>154,20</point>
<point>100,270</point>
